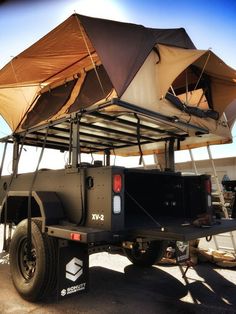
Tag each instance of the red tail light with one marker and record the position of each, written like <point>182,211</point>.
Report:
<point>117,183</point>
<point>75,236</point>
<point>208,186</point>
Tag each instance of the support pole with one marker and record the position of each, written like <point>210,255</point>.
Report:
<point>76,158</point>
<point>170,163</point>
<point>70,145</point>
<point>107,157</point>
<point>15,157</point>
<point>3,158</point>
<point>29,231</point>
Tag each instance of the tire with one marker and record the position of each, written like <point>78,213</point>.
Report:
<point>33,279</point>
<point>153,253</point>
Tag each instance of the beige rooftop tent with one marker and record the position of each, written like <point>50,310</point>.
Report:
<point>125,73</point>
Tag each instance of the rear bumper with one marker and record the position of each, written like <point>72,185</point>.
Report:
<point>169,230</point>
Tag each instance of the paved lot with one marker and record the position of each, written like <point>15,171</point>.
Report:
<point>124,288</point>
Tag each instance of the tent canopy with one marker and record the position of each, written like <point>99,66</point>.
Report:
<point>88,61</point>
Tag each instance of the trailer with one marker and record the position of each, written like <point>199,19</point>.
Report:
<point>148,91</point>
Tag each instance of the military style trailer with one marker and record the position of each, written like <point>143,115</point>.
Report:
<point>94,86</point>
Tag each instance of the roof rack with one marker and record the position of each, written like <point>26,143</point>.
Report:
<point>101,128</point>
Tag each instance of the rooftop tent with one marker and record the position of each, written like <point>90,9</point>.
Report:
<point>197,77</point>
<point>231,113</point>
<point>87,61</point>
<point>75,47</point>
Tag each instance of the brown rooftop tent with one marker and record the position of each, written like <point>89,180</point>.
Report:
<point>86,62</point>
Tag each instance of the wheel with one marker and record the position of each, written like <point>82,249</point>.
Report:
<point>153,253</point>
<point>33,277</point>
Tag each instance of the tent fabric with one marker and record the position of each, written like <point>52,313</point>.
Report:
<point>15,103</point>
<point>54,57</point>
<point>68,50</point>
<point>85,61</point>
<point>158,72</point>
<point>128,45</point>
<point>49,104</point>
<point>231,113</point>
<point>58,101</point>
<point>91,83</point>
<point>223,78</point>
<point>173,62</point>
<point>223,81</point>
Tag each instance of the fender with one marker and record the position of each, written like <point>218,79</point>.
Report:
<point>45,204</point>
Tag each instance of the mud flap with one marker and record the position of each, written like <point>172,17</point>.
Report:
<point>182,251</point>
<point>73,269</point>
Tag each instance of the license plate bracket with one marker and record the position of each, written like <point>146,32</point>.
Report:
<point>182,251</point>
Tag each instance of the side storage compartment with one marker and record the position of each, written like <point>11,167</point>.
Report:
<point>153,197</point>
<point>197,195</point>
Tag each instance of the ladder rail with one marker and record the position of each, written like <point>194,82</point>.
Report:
<point>219,188</point>
<point>193,161</point>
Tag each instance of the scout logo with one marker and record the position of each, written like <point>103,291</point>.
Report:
<point>74,269</point>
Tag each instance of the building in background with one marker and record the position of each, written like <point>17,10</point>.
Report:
<point>224,166</point>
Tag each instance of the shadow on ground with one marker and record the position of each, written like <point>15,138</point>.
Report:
<point>137,290</point>
<point>215,289</point>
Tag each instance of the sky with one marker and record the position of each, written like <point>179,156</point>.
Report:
<point>210,24</point>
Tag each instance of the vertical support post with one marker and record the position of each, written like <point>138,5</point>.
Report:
<point>29,213</point>
<point>70,144</point>
<point>5,246</point>
<point>3,158</point>
<point>76,158</point>
<point>170,164</point>
<point>75,142</point>
<point>107,157</point>
<point>15,157</point>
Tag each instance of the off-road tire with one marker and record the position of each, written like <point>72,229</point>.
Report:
<point>153,254</point>
<point>35,279</point>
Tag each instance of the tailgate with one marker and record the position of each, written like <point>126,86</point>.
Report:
<point>178,230</point>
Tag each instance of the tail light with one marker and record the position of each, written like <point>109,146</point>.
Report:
<point>75,236</point>
<point>117,183</point>
<point>116,204</point>
<point>208,191</point>
<point>117,187</point>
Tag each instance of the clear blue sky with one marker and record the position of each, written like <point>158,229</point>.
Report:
<point>210,24</point>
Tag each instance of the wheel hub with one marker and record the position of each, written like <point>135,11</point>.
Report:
<point>27,263</point>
